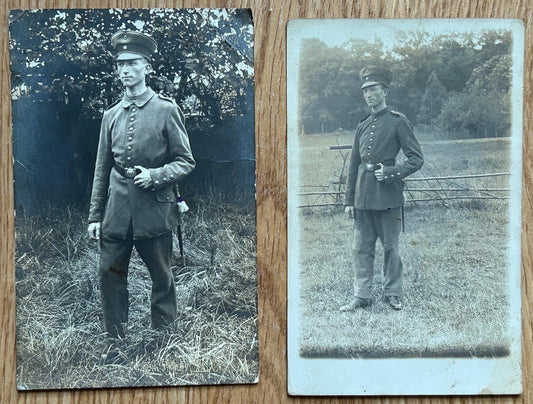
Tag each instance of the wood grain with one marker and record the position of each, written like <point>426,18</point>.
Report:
<point>270,19</point>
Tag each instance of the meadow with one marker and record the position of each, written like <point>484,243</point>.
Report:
<point>60,338</point>
<point>454,254</point>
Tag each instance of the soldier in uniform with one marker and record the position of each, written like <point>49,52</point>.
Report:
<point>143,152</point>
<point>374,189</point>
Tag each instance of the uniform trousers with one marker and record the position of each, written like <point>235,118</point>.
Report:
<point>115,256</point>
<point>370,225</point>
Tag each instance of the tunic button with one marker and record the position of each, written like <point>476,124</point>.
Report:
<point>128,158</point>
<point>371,133</point>
<point>132,119</point>
<point>168,198</point>
<point>392,176</point>
<point>398,174</point>
<point>368,154</point>
<point>129,147</point>
<point>369,147</point>
<point>157,182</point>
<point>130,138</point>
<point>130,128</point>
<point>133,109</point>
<point>164,178</point>
<point>371,138</point>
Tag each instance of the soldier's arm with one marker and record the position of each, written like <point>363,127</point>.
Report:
<point>182,161</point>
<point>104,163</point>
<point>355,161</point>
<point>411,148</point>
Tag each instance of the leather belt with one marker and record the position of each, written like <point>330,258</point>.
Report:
<point>128,172</point>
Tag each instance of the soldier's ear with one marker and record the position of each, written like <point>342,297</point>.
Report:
<point>148,68</point>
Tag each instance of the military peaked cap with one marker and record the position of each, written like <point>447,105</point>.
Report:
<point>372,75</point>
<point>131,45</point>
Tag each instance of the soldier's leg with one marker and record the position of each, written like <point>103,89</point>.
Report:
<point>114,260</point>
<point>364,251</point>
<point>156,253</point>
<point>389,224</point>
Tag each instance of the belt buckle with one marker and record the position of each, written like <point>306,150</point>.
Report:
<point>369,167</point>
<point>130,172</point>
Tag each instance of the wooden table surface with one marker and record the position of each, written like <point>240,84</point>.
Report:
<point>270,19</point>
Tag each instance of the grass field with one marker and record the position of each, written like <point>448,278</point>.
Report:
<point>454,256</point>
<point>60,339</point>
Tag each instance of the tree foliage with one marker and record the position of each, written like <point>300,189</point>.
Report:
<point>205,57</point>
<point>434,76</point>
<point>432,100</point>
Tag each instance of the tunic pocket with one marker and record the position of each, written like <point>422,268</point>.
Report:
<point>165,194</point>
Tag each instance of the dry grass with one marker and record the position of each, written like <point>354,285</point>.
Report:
<point>455,268</point>
<point>60,340</point>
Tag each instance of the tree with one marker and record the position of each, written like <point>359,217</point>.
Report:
<point>482,109</point>
<point>432,100</point>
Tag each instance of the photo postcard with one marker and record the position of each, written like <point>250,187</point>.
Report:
<point>134,183</point>
<point>404,200</point>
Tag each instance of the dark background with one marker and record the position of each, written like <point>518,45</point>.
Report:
<point>62,80</point>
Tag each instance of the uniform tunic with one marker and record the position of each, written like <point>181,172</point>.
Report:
<point>378,139</point>
<point>148,131</point>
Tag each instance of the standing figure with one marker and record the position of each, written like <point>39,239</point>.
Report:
<point>143,152</point>
<point>374,189</point>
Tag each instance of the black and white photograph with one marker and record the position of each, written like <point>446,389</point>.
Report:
<point>134,183</point>
<point>404,145</point>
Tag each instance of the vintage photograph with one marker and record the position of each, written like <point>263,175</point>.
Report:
<point>134,182</point>
<point>404,198</point>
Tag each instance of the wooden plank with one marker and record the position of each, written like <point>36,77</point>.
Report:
<point>270,58</point>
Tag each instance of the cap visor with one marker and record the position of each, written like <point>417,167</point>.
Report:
<point>129,56</point>
<point>370,84</point>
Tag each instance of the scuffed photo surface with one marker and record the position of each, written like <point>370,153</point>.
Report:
<point>459,84</point>
<point>63,79</point>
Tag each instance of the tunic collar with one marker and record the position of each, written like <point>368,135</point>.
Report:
<point>380,113</point>
<point>139,101</point>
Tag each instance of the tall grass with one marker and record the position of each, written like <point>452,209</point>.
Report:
<point>60,339</point>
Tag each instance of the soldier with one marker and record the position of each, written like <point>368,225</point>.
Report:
<point>374,190</point>
<point>143,152</point>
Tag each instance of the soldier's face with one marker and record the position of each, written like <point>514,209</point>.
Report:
<point>375,95</point>
<point>132,72</point>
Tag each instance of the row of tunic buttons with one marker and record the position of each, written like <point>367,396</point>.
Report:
<point>371,139</point>
<point>131,128</point>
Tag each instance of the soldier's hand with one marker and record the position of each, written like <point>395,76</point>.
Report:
<point>348,211</point>
<point>379,172</point>
<point>143,179</point>
<point>94,230</point>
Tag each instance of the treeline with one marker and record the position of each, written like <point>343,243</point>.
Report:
<point>457,84</point>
